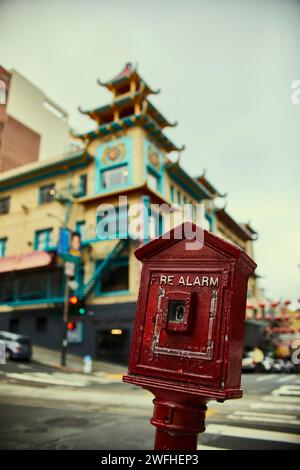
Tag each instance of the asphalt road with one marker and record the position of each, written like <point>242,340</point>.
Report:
<point>44,408</point>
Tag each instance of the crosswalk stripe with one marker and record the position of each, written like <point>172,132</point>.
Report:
<point>290,390</point>
<point>48,380</point>
<point>57,378</point>
<point>281,399</point>
<point>265,377</point>
<point>264,419</point>
<point>259,434</point>
<point>285,379</point>
<point>274,406</point>
<point>204,447</point>
<point>254,413</point>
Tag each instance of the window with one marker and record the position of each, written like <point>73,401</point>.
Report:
<point>115,177</point>
<point>47,193</point>
<point>172,193</point>
<point>153,181</point>
<point>43,239</point>
<point>3,242</point>
<point>179,197</point>
<point>115,278</point>
<point>81,229</point>
<point>83,184</point>
<point>38,284</point>
<point>4,205</point>
<point>113,224</point>
<point>81,189</point>
<point>14,325</point>
<point>41,324</point>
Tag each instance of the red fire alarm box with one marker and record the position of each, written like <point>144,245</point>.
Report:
<point>189,325</point>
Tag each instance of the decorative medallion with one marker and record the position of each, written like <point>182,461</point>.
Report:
<point>153,157</point>
<point>113,154</point>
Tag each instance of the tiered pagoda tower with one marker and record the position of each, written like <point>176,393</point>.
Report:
<point>130,106</point>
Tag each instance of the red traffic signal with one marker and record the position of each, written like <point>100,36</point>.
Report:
<point>71,325</point>
<point>73,300</point>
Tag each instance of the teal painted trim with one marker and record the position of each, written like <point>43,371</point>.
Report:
<point>157,175</point>
<point>121,222</point>
<point>47,246</point>
<point>179,197</point>
<point>112,293</point>
<point>172,193</point>
<point>146,202</point>
<point>41,189</point>
<point>100,168</point>
<point>82,186</point>
<point>185,188</point>
<point>42,177</point>
<point>211,220</point>
<point>159,223</point>
<point>3,245</point>
<point>80,228</point>
<point>17,303</point>
<point>50,248</point>
<point>149,167</point>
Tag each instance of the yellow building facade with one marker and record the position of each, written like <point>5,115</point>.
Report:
<point>127,154</point>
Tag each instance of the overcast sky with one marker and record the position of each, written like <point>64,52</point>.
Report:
<point>225,68</point>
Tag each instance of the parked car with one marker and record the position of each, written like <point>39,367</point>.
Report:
<point>17,346</point>
<point>248,362</point>
<point>267,365</point>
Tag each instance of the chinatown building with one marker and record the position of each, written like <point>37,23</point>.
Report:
<point>126,154</point>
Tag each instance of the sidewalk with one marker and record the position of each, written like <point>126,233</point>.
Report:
<point>51,358</point>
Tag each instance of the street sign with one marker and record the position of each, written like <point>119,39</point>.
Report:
<point>73,285</point>
<point>63,245</point>
<point>69,269</point>
<point>75,336</point>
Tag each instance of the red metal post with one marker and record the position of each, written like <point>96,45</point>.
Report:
<point>177,424</point>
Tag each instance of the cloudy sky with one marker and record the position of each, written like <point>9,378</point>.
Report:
<point>225,69</point>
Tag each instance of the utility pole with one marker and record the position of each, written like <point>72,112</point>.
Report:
<point>64,346</point>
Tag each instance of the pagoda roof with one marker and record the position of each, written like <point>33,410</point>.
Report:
<point>126,101</point>
<point>209,186</point>
<point>143,120</point>
<point>241,230</point>
<point>179,175</point>
<point>158,117</point>
<point>129,72</point>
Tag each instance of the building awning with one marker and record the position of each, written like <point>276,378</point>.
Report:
<point>36,259</point>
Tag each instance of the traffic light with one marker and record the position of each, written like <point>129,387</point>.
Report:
<point>81,307</point>
<point>74,300</point>
<point>77,306</point>
<point>71,325</point>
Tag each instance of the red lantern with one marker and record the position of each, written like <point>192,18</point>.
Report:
<point>274,304</point>
<point>287,302</point>
<point>249,306</point>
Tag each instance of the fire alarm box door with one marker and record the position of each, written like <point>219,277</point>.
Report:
<point>184,324</point>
